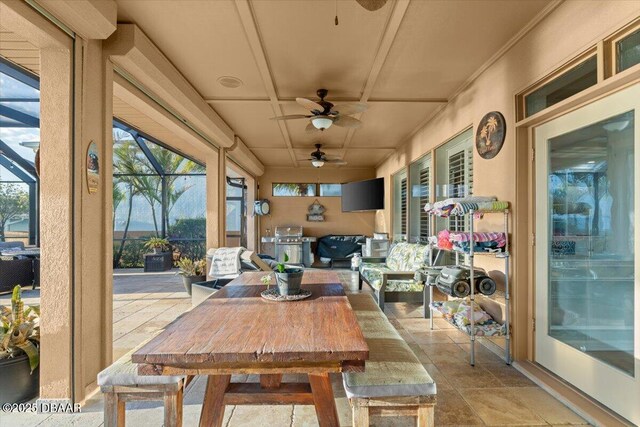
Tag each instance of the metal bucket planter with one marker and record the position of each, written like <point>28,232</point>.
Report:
<point>289,281</point>
<point>17,383</point>
<point>187,281</point>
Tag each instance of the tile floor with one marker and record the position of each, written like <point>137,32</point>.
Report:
<point>491,393</point>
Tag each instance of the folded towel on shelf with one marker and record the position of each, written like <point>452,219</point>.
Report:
<point>465,207</point>
<point>477,237</point>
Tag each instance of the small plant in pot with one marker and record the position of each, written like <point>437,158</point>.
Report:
<point>192,271</point>
<point>288,279</point>
<point>157,245</point>
<point>19,350</point>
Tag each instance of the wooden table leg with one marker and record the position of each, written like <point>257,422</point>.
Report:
<point>323,399</point>
<point>270,380</point>
<point>213,406</point>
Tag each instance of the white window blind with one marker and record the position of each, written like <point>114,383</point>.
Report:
<point>460,181</point>
<point>403,206</point>
<point>425,220</point>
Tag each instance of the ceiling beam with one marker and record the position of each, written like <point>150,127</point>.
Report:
<point>92,19</point>
<point>292,101</point>
<point>393,25</point>
<point>248,20</point>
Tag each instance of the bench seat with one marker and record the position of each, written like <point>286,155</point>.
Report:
<point>393,377</point>
<point>121,383</point>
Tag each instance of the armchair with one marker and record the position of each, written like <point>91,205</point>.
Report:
<point>392,279</point>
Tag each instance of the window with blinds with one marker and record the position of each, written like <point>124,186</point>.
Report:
<point>403,206</point>
<point>460,181</point>
<point>425,221</point>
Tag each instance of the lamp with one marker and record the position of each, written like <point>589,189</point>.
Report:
<point>322,122</point>
<point>317,163</point>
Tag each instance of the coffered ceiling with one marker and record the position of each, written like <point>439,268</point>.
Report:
<point>404,60</point>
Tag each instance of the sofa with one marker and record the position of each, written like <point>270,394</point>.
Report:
<point>392,279</point>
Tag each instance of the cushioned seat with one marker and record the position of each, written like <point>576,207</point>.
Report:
<point>372,272</point>
<point>123,372</point>
<point>393,279</point>
<point>392,369</point>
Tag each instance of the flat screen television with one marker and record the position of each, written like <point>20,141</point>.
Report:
<point>363,195</point>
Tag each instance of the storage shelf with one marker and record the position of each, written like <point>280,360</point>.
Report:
<point>472,329</point>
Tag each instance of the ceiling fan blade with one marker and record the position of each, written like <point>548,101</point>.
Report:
<point>372,5</point>
<point>349,108</point>
<point>336,162</point>
<point>311,128</point>
<point>310,105</point>
<point>347,122</point>
<point>290,117</point>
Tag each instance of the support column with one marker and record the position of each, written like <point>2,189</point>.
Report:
<point>56,218</point>
<point>216,204</point>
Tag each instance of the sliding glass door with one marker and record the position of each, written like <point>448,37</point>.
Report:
<point>587,249</point>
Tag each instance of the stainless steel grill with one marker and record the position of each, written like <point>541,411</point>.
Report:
<point>288,240</point>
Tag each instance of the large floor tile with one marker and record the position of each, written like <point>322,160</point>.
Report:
<point>266,415</point>
<point>499,406</point>
<point>462,376</point>
<point>545,405</point>
<point>508,375</point>
<point>453,410</point>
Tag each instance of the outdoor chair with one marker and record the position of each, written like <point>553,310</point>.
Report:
<point>393,278</point>
<point>15,272</point>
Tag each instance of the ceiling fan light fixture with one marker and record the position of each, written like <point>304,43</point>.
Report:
<point>322,122</point>
<point>317,163</point>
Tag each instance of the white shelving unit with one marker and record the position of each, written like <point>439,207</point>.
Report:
<point>471,255</point>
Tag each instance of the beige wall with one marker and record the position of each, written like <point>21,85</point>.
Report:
<point>569,30</point>
<point>293,210</point>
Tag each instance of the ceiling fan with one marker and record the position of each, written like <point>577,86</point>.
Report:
<point>324,113</point>
<point>318,158</point>
<point>372,5</point>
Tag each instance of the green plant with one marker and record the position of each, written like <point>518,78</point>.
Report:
<point>20,330</point>
<point>280,266</point>
<point>189,267</point>
<point>156,243</point>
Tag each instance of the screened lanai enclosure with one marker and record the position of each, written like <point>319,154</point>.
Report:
<point>156,193</point>
<point>19,142</point>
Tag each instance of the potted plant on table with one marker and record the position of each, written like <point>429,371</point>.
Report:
<point>19,350</point>
<point>157,245</point>
<point>191,272</point>
<point>287,278</point>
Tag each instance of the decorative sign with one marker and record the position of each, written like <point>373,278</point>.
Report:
<point>93,168</point>
<point>490,135</point>
<point>316,211</point>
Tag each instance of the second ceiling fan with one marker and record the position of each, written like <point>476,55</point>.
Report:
<point>324,113</point>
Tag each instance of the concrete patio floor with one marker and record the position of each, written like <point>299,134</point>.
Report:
<point>491,393</point>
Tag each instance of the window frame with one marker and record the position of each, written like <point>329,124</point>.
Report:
<point>311,185</point>
<point>568,66</point>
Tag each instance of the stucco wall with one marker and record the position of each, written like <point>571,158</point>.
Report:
<point>293,210</point>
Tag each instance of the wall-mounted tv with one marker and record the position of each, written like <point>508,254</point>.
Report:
<point>363,195</point>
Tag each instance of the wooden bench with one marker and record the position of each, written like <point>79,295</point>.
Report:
<point>394,382</point>
<point>121,383</point>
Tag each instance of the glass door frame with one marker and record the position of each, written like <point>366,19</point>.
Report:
<point>603,382</point>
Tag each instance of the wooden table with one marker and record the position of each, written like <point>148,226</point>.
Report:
<point>235,331</point>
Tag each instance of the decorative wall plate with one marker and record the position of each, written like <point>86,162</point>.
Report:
<point>490,135</point>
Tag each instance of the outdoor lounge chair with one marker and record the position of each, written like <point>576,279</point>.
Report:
<point>15,272</point>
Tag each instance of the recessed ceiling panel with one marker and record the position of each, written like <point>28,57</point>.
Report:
<point>387,124</point>
<point>307,51</point>
<point>273,156</point>
<point>205,40</point>
<point>358,157</point>
<point>440,44</point>
<point>250,121</point>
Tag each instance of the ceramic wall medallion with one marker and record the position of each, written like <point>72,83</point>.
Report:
<point>315,212</point>
<point>490,135</point>
<point>93,168</point>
